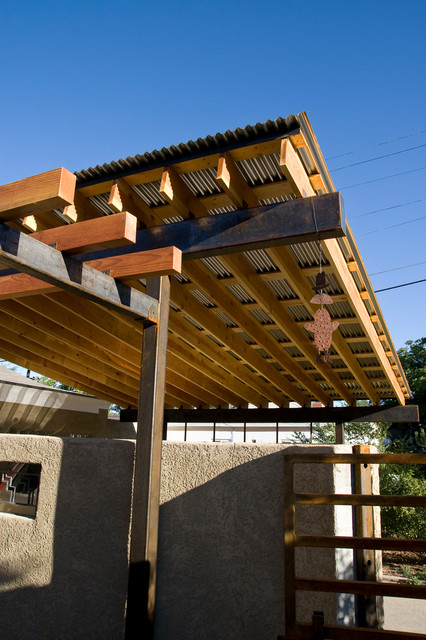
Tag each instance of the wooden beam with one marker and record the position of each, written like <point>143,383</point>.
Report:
<point>220,356</point>
<point>65,325</point>
<point>231,180</point>
<point>31,256</point>
<point>293,169</point>
<point>91,235</point>
<point>157,262</point>
<point>287,263</point>
<point>81,209</point>
<point>260,290</point>
<point>147,470</point>
<point>175,191</point>
<point>238,190</point>
<point>204,278</point>
<point>29,360</point>
<point>237,393</point>
<point>38,194</point>
<point>225,335</point>
<point>256,228</point>
<point>123,198</point>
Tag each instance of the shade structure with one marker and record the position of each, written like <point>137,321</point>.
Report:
<point>239,299</point>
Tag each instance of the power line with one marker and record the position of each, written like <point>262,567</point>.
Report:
<point>395,206</point>
<point>406,266</point>
<point>394,175</point>
<point>400,224</point>
<point>387,155</point>
<point>398,286</point>
<point>373,146</point>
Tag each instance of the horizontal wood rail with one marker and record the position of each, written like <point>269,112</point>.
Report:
<point>366,586</point>
<point>337,632</point>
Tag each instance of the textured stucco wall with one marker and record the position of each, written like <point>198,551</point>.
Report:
<point>221,552</point>
<point>63,575</point>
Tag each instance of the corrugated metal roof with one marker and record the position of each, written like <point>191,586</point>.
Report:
<point>261,170</point>
<point>218,143</point>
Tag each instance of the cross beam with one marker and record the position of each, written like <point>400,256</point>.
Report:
<point>31,256</point>
<point>338,415</point>
<point>301,220</point>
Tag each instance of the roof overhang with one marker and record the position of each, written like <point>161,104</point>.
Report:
<point>239,301</point>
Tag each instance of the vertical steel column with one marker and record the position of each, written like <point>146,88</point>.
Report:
<point>147,469</point>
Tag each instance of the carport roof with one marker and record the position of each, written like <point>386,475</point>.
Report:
<point>236,329</point>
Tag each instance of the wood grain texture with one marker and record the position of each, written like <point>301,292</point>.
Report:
<point>31,256</point>
<point>37,194</point>
<point>91,235</point>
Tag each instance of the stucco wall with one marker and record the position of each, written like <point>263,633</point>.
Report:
<point>63,575</point>
<point>221,552</point>
<point>221,556</point>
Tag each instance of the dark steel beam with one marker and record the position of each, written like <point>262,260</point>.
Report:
<point>338,415</point>
<point>300,220</point>
<point>147,470</point>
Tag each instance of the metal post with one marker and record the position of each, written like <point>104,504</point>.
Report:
<point>147,469</point>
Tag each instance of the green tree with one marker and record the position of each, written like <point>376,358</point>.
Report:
<point>413,360</point>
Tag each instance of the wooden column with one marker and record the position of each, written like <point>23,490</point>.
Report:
<point>369,607</point>
<point>339,430</point>
<point>147,470</point>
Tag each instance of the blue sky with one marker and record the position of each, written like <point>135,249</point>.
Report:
<point>85,83</point>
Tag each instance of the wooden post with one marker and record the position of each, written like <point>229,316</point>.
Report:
<point>365,560</point>
<point>147,470</point>
<point>340,433</point>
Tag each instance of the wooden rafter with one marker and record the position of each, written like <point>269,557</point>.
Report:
<point>235,338</point>
<point>240,192</point>
<point>293,169</point>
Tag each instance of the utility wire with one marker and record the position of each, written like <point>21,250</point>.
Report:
<point>387,155</point>
<point>394,175</point>
<point>400,224</point>
<point>373,146</point>
<point>406,266</point>
<point>398,286</point>
<point>395,206</point>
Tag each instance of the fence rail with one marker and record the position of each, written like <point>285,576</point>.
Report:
<point>363,543</point>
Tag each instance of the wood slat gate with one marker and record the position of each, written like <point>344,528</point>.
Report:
<point>363,542</point>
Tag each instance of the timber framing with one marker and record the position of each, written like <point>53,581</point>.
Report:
<point>236,221</point>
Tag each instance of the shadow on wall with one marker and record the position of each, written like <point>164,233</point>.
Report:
<point>221,550</point>
<point>81,596</point>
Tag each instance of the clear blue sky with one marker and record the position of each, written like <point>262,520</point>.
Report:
<point>85,83</point>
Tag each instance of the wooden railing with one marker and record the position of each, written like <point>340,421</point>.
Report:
<point>365,544</point>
